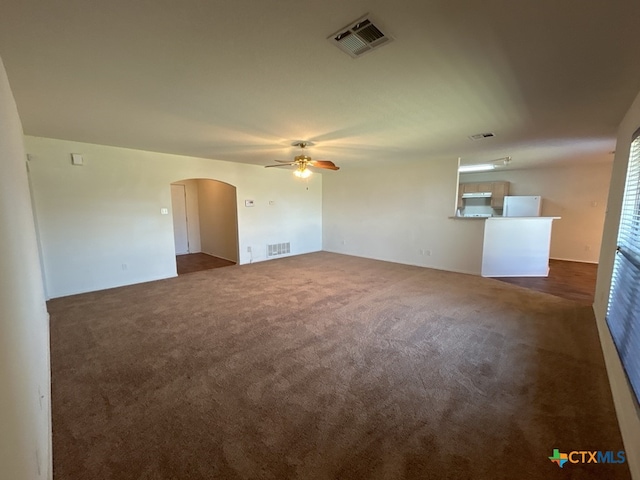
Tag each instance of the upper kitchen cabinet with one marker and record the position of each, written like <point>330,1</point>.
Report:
<point>497,191</point>
<point>475,187</point>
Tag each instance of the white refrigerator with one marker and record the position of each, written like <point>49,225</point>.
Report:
<point>522,206</point>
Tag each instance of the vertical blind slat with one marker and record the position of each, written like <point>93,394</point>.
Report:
<point>623,311</point>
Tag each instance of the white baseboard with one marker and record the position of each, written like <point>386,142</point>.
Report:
<point>465,272</point>
<point>573,260</point>
<point>218,256</point>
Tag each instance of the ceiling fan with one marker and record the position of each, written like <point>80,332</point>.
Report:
<point>302,162</point>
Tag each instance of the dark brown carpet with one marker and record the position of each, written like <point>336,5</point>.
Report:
<point>326,366</point>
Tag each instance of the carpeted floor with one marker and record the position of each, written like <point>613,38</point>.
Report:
<point>325,366</point>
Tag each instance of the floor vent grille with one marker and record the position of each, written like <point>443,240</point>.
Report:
<point>276,249</point>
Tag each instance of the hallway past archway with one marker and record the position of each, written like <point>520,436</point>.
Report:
<point>205,218</point>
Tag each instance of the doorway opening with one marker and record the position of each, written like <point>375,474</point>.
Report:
<point>205,224</point>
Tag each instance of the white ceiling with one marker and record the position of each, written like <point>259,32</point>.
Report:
<point>239,80</point>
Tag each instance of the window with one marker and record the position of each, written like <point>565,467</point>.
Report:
<point>623,312</point>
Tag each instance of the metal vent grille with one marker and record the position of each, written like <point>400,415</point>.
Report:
<point>359,38</point>
<point>276,249</point>
<point>370,33</point>
<point>353,44</point>
<point>480,136</point>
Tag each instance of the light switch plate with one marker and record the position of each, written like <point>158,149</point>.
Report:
<point>164,211</point>
<point>76,159</point>
<point>248,203</point>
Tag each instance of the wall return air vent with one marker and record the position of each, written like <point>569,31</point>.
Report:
<point>275,249</point>
<point>360,37</point>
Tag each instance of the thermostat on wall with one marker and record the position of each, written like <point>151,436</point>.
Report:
<point>248,203</point>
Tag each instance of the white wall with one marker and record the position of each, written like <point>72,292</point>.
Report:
<point>393,212</point>
<point>193,214</point>
<point>100,224</point>
<point>25,401</point>
<point>577,193</point>
<point>626,408</point>
<point>217,205</point>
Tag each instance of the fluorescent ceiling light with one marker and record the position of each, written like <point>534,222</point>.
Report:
<point>480,167</point>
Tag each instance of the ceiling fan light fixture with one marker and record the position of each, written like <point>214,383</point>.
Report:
<point>303,161</point>
<point>302,172</point>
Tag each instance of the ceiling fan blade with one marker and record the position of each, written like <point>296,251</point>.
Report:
<point>324,164</point>
<point>282,161</point>
<point>281,165</point>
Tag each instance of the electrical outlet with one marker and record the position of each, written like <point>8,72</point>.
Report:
<point>428,252</point>
<point>248,249</point>
<point>124,266</point>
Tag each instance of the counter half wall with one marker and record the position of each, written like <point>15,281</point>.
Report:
<point>516,246</point>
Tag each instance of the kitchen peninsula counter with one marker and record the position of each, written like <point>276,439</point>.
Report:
<point>516,246</point>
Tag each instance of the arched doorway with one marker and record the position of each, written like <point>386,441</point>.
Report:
<point>205,224</point>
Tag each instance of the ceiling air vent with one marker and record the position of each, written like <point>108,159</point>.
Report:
<point>360,37</point>
<point>480,136</point>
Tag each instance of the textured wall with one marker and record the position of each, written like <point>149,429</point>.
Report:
<point>100,223</point>
<point>218,219</point>
<point>401,213</point>
<point>25,405</point>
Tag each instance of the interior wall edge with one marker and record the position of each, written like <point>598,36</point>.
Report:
<point>25,373</point>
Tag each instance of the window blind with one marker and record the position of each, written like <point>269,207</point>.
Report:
<point>623,312</point>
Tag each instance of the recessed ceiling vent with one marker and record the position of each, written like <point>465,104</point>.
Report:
<point>360,37</point>
<point>480,136</point>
